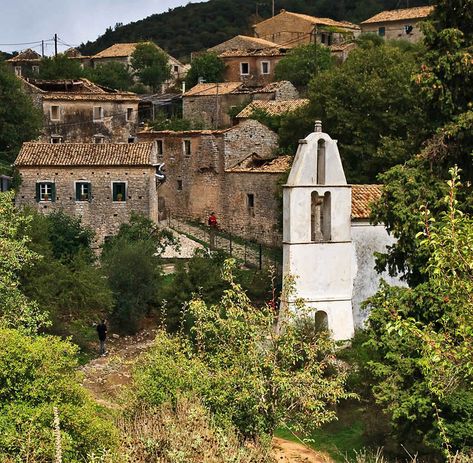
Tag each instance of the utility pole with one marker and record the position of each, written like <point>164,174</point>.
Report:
<point>273,8</point>
<point>42,48</point>
<point>217,110</point>
<point>55,44</point>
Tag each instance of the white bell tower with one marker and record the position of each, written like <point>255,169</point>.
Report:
<point>317,246</point>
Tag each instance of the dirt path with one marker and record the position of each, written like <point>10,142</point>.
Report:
<point>106,377</point>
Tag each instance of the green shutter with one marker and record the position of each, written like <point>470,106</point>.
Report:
<point>53,192</point>
<point>90,192</point>
<point>37,192</point>
<point>77,191</point>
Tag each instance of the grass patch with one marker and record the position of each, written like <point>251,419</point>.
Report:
<point>340,438</point>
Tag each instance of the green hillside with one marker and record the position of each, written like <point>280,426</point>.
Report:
<point>201,25</point>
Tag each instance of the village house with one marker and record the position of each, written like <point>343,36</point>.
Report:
<point>122,53</point>
<point>80,111</point>
<point>292,29</point>
<point>252,66</point>
<point>25,64</point>
<point>398,24</point>
<point>272,107</point>
<point>211,104</point>
<point>204,174</point>
<point>243,42</point>
<point>102,184</point>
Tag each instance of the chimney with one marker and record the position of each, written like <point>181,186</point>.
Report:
<point>318,126</point>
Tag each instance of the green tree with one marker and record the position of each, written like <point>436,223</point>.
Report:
<point>206,65</point>
<point>20,121</point>
<point>302,63</point>
<point>113,75</point>
<point>419,339</point>
<point>37,374</point>
<point>151,65</point>
<point>60,67</point>
<point>16,310</point>
<point>248,372</point>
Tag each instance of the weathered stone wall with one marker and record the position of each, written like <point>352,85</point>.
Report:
<point>76,122</point>
<point>255,76</point>
<point>102,214</point>
<point>395,30</point>
<point>260,222</point>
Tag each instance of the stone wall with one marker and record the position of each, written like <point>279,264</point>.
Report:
<point>102,214</point>
<point>77,124</point>
<point>255,76</point>
<point>395,30</point>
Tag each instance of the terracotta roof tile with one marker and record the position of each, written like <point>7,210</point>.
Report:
<point>243,42</point>
<point>121,50</point>
<point>206,89</point>
<point>273,107</point>
<point>277,165</point>
<point>27,55</point>
<point>278,51</point>
<point>34,154</point>
<point>362,196</point>
<point>419,12</point>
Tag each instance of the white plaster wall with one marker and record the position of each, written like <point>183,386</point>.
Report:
<point>368,239</point>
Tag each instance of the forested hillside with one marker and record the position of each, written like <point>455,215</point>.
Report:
<point>201,25</point>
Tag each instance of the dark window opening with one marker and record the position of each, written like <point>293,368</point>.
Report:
<point>129,113</point>
<point>381,31</point>
<point>83,191</point>
<point>159,147</point>
<point>179,185</point>
<point>244,68</point>
<point>187,147</point>
<point>131,139</point>
<point>119,191</point>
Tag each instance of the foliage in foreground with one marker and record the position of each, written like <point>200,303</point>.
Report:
<point>36,374</point>
<point>208,66</point>
<point>254,369</point>
<point>419,339</point>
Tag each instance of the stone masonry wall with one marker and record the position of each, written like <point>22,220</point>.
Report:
<point>395,30</point>
<point>255,76</point>
<point>102,214</point>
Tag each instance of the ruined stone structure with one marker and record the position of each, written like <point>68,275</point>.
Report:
<point>209,104</point>
<point>398,24</point>
<point>254,67</point>
<point>243,42</point>
<point>101,183</point>
<point>292,29</point>
<point>272,108</point>
<point>25,63</point>
<point>205,174</point>
<point>80,111</point>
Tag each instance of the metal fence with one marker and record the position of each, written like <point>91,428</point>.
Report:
<point>250,253</point>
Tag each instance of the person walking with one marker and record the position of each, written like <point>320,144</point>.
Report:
<point>212,222</point>
<point>102,332</point>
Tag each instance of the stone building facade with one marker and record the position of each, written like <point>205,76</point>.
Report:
<point>243,42</point>
<point>79,111</point>
<point>210,104</point>
<point>204,175</point>
<point>398,24</point>
<point>292,29</point>
<point>254,67</point>
<point>100,183</point>
<point>25,64</point>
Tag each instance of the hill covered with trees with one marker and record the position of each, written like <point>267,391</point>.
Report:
<point>197,26</point>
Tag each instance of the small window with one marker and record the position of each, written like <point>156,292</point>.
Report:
<point>99,138</point>
<point>98,113</point>
<point>56,139</point>
<point>408,29</point>
<point>381,31</point>
<point>244,69</point>
<point>119,191</point>
<point>83,191</point>
<point>250,197</point>
<point>187,147</point>
<point>45,191</point>
<point>160,147</point>
<point>35,69</point>
<point>18,71</point>
<point>131,139</point>
<point>265,67</point>
<point>129,114</point>
<point>55,113</point>
<point>179,185</point>
<point>176,69</point>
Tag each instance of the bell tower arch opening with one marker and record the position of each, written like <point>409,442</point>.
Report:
<point>321,162</point>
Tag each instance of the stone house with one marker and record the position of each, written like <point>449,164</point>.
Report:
<point>204,174</point>
<point>243,42</point>
<point>25,63</point>
<point>80,111</point>
<point>210,104</point>
<point>252,66</point>
<point>398,24</point>
<point>122,53</point>
<point>292,29</point>
<point>100,183</point>
<point>272,107</point>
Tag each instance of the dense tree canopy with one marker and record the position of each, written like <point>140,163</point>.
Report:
<point>208,66</point>
<point>150,65</point>
<point>112,75</point>
<point>60,67</point>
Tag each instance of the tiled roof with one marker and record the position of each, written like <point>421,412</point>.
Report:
<point>418,12</point>
<point>274,86</point>
<point>279,51</point>
<point>277,165</point>
<point>121,50</point>
<point>207,89</point>
<point>362,196</point>
<point>340,47</point>
<point>58,96</point>
<point>273,107</point>
<point>27,55</point>
<point>67,86</point>
<point>243,42</point>
<point>35,154</point>
<point>317,21</point>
